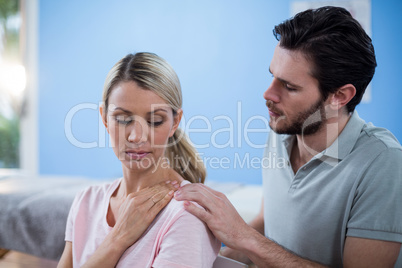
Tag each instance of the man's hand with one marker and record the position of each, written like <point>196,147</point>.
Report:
<point>216,211</point>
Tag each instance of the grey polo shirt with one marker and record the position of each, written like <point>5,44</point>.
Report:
<point>353,188</point>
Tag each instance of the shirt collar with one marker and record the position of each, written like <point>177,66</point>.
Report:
<point>288,141</point>
<point>342,146</point>
<point>345,142</point>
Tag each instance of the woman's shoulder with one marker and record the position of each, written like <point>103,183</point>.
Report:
<point>175,209</point>
<point>173,175</point>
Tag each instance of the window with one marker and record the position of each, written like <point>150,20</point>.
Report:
<point>18,90</point>
<point>12,83</point>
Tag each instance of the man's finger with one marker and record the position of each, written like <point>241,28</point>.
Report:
<point>197,211</point>
<point>197,194</point>
<point>209,189</point>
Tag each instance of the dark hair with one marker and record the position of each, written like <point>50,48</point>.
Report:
<point>336,44</point>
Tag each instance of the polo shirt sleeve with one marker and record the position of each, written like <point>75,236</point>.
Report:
<point>376,212</point>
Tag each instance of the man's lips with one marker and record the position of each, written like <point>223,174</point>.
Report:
<point>273,114</point>
<point>271,109</point>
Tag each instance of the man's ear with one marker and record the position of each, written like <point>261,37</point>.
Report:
<point>176,121</point>
<point>342,96</point>
<point>103,114</point>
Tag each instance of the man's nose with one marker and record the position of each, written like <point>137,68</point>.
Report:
<point>273,91</point>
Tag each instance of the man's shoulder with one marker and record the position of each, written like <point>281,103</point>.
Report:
<point>376,144</point>
<point>383,136</point>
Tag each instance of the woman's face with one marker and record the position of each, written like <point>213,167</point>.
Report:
<point>139,123</point>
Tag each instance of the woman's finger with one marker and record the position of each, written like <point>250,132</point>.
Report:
<point>158,190</point>
<point>158,206</point>
<point>160,195</point>
<point>157,193</point>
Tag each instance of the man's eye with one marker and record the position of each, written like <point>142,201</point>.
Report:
<point>290,88</point>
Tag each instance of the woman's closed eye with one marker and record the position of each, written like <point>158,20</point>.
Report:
<point>155,122</point>
<point>124,120</point>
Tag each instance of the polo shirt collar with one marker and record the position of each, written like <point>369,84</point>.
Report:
<point>288,141</point>
<point>345,142</point>
<point>342,146</point>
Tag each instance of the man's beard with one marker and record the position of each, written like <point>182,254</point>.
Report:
<point>307,122</point>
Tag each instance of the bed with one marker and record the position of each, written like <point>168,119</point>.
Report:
<point>34,210</point>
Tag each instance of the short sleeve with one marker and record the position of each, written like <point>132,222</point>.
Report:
<point>71,216</point>
<point>188,243</point>
<point>376,212</point>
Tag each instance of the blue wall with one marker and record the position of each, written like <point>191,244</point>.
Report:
<point>385,108</point>
<point>220,50</point>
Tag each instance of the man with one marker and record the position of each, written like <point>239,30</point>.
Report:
<point>338,202</point>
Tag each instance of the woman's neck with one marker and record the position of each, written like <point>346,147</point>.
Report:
<point>134,180</point>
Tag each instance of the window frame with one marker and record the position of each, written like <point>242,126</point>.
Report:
<point>29,134</point>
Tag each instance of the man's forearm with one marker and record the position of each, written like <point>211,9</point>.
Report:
<point>258,224</point>
<point>265,253</point>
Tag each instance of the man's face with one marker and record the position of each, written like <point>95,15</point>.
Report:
<point>294,101</point>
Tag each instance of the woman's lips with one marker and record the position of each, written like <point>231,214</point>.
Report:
<point>136,155</point>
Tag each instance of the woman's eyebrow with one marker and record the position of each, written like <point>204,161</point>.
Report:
<point>151,112</point>
<point>158,110</point>
<point>122,109</point>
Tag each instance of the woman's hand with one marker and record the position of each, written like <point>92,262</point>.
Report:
<point>136,213</point>
<point>139,209</point>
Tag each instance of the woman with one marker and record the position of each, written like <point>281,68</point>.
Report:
<point>118,224</point>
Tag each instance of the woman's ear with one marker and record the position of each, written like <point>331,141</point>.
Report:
<point>103,114</point>
<point>342,97</point>
<point>176,121</point>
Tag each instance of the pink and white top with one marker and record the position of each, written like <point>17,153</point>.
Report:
<point>175,238</point>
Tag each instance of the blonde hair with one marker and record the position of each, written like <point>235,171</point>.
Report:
<point>151,72</point>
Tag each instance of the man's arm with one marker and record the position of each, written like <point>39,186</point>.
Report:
<point>361,252</point>
<point>228,226</point>
<point>258,224</point>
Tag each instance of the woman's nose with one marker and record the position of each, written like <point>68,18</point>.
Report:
<point>273,91</point>
<point>138,132</point>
